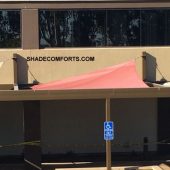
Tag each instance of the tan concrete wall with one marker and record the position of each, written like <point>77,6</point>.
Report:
<point>77,126</point>
<point>11,127</point>
<point>53,70</point>
<point>7,69</point>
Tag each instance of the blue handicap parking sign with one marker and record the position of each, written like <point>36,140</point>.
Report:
<point>108,130</point>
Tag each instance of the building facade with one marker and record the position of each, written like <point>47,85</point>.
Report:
<point>58,39</point>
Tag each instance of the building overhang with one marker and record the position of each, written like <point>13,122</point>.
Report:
<point>85,1</point>
<point>83,4</point>
<point>24,95</point>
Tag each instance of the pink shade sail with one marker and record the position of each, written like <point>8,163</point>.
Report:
<point>118,76</point>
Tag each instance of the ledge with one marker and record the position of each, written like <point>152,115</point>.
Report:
<point>23,95</point>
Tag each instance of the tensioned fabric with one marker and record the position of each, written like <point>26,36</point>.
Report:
<point>118,76</point>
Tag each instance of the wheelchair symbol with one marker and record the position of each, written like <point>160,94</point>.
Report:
<point>108,126</point>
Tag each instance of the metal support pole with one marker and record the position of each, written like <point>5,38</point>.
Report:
<point>108,142</point>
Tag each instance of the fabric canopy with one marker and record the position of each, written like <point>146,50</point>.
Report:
<point>118,76</point>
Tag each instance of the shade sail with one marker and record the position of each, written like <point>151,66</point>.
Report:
<point>118,76</point>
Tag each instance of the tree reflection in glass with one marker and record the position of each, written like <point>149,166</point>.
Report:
<point>89,28</point>
<point>106,27</point>
<point>123,27</point>
<point>55,28</point>
<point>10,29</point>
<point>72,28</point>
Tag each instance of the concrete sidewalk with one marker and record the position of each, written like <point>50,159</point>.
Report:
<point>116,168</point>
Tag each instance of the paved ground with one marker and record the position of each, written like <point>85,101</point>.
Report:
<point>21,167</point>
<point>150,165</point>
<point>153,167</point>
<point>100,166</point>
<point>117,168</point>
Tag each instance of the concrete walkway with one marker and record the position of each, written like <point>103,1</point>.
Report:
<point>117,168</point>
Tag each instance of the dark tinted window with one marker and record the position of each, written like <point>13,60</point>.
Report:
<point>72,28</point>
<point>153,23</point>
<point>55,28</point>
<point>100,28</point>
<point>123,28</point>
<point>89,28</point>
<point>10,29</point>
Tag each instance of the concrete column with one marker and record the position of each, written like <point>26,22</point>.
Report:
<point>149,67</point>
<point>32,132</point>
<point>15,72</point>
<point>30,29</point>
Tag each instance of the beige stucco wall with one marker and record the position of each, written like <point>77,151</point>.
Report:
<point>7,68</point>
<point>53,70</point>
<point>77,125</point>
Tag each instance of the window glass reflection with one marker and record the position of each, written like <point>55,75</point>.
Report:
<point>72,28</point>
<point>101,28</point>
<point>10,29</point>
<point>123,28</point>
<point>89,28</point>
<point>153,24</point>
<point>55,28</point>
<point>167,27</point>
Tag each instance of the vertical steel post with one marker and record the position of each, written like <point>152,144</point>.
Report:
<point>108,142</point>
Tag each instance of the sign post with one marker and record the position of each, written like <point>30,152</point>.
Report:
<point>108,126</point>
